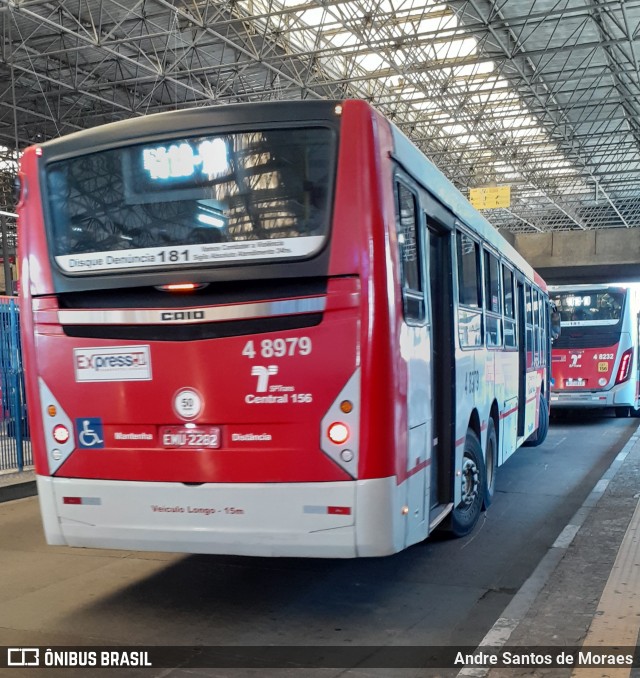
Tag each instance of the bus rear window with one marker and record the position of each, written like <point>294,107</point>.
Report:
<point>589,307</point>
<point>207,200</point>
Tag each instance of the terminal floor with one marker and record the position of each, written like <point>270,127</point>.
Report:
<point>584,592</point>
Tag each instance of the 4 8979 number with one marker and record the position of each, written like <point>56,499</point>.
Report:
<point>278,348</point>
<point>472,381</point>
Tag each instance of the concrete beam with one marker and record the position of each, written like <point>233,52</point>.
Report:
<point>596,256</point>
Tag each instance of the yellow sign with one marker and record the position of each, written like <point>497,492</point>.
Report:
<point>603,367</point>
<point>490,197</point>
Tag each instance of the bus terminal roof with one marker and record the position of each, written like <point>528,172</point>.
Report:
<point>539,95</point>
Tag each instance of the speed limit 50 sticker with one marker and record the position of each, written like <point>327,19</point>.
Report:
<point>187,403</point>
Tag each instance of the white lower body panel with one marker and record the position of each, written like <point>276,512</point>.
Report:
<point>623,395</point>
<point>327,520</point>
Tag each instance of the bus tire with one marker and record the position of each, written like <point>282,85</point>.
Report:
<point>540,435</point>
<point>465,516</point>
<point>490,464</point>
<point>622,412</point>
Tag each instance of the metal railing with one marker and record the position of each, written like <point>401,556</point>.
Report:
<point>15,440</point>
<point>7,248</point>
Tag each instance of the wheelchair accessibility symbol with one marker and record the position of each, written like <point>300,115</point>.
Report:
<point>89,432</point>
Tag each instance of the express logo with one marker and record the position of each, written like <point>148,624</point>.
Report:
<point>110,361</point>
<point>125,363</point>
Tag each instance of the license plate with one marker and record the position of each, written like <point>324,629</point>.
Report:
<point>574,382</point>
<point>201,437</point>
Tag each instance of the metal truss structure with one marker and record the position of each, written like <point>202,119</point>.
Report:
<point>542,95</point>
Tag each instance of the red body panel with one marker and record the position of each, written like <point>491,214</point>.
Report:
<point>219,371</point>
<point>576,369</point>
<point>34,278</point>
<point>368,145</point>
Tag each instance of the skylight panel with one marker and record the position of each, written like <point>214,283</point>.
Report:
<point>566,171</point>
<point>454,129</point>
<point>409,93</point>
<point>522,133</point>
<point>455,49</point>
<point>426,105</point>
<point>371,62</point>
<point>511,121</point>
<point>502,166</point>
<point>314,16</point>
<point>387,6</point>
<point>340,38</point>
<point>434,24</point>
<point>471,70</point>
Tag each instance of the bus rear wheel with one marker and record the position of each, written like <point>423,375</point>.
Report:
<point>490,464</point>
<point>465,515</point>
<point>540,434</point>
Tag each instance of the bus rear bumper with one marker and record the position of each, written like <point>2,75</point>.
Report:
<point>274,519</point>
<point>615,397</point>
<point>581,400</point>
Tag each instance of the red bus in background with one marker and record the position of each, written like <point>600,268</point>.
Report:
<point>268,329</point>
<point>595,358</point>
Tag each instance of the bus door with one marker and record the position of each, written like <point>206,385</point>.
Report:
<point>443,369</point>
<point>637,352</point>
<point>522,356</point>
<point>415,351</point>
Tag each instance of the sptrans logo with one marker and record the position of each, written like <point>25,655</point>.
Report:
<point>263,374</point>
<point>124,363</point>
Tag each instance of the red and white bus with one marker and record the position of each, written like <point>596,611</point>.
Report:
<point>595,358</point>
<point>268,329</point>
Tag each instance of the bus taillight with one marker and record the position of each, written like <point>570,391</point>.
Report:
<point>61,433</point>
<point>338,433</point>
<point>624,371</point>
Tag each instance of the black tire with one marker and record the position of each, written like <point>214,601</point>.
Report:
<point>635,412</point>
<point>490,464</point>
<point>540,435</point>
<point>465,516</point>
<point>622,412</point>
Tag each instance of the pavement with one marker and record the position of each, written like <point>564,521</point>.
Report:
<point>17,485</point>
<point>583,599</point>
<point>578,614</point>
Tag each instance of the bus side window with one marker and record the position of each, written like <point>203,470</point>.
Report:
<point>530,345</point>
<point>540,329</point>
<point>493,300</point>
<point>469,292</point>
<point>410,256</point>
<point>556,328</point>
<point>510,336</point>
